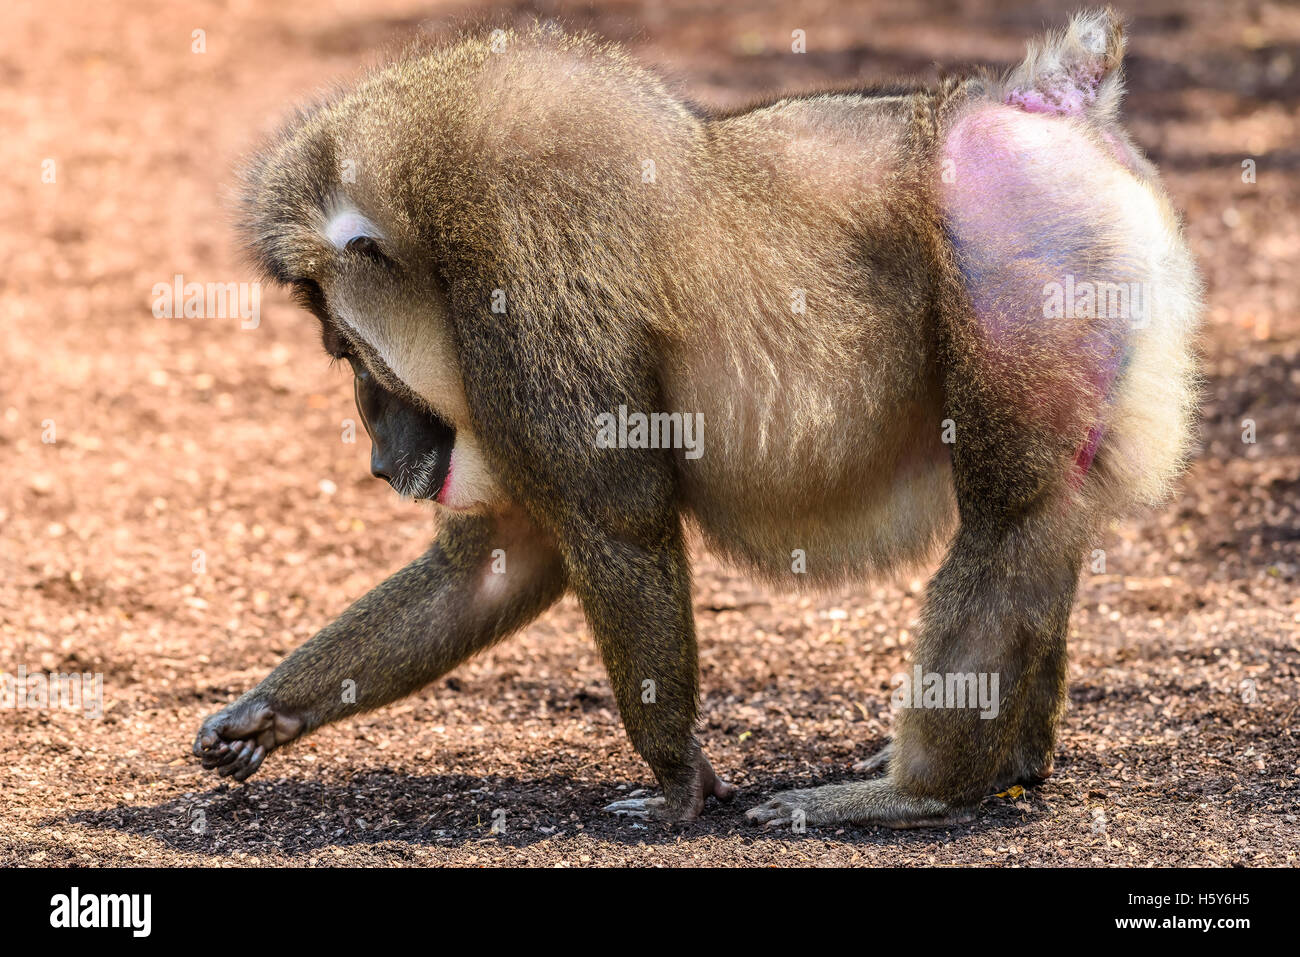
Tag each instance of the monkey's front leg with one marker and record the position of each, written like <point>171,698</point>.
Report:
<point>451,602</point>
<point>637,601</point>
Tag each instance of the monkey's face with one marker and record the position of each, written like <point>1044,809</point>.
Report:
<point>387,317</point>
<point>410,448</point>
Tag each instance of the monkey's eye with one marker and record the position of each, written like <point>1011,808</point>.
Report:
<point>358,367</point>
<point>337,347</point>
<point>366,246</point>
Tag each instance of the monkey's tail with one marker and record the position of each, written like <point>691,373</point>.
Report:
<point>1074,72</point>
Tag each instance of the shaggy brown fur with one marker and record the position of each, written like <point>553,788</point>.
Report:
<point>850,287</point>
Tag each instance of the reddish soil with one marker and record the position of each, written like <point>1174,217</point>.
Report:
<point>1180,745</point>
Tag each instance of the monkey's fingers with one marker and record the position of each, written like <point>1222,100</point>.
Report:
<point>238,753</point>
<point>248,758</point>
<point>236,741</point>
<point>216,757</point>
<point>251,764</point>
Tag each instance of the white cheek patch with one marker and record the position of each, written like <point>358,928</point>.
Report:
<point>470,482</point>
<point>417,352</point>
<point>346,225</point>
<point>415,348</point>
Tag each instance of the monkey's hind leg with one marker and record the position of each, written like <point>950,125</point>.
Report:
<point>995,621</point>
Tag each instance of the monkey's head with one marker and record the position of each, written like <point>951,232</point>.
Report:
<point>402,211</point>
<point>327,213</point>
<point>410,448</point>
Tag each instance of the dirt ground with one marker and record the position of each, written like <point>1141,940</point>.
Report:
<point>175,435</point>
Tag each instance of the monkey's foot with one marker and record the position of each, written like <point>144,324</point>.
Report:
<point>1032,773</point>
<point>1041,772</point>
<point>234,742</point>
<point>877,761</point>
<point>706,783</point>
<point>865,802</point>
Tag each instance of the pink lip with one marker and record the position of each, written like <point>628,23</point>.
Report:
<point>441,497</point>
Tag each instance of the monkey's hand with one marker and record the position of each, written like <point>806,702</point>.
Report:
<point>706,783</point>
<point>235,741</point>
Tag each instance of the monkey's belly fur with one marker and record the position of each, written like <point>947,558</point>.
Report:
<point>950,318</point>
<point>880,502</point>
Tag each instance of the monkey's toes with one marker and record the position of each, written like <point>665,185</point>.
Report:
<point>878,801</point>
<point>658,809</point>
<point>783,808</point>
<point>711,784</point>
<point>877,761</point>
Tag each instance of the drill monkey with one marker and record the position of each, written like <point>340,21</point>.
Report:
<point>899,312</point>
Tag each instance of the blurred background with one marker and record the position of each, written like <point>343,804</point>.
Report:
<point>179,506</point>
